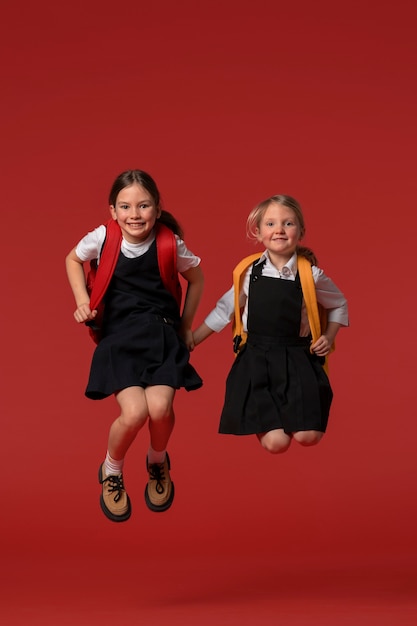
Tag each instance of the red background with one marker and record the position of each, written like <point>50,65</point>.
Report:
<point>224,104</point>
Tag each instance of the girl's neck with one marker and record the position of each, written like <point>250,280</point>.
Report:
<point>279,260</point>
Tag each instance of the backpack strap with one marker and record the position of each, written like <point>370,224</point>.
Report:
<point>239,335</point>
<point>317,315</point>
<point>309,294</point>
<point>166,247</point>
<point>108,259</point>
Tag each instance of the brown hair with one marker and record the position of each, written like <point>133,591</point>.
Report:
<point>139,177</point>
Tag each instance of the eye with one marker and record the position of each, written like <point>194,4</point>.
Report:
<point>269,224</point>
<point>124,206</point>
<point>289,223</point>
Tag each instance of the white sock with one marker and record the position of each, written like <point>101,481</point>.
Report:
<point>113,467</point>
<point>156,456</point>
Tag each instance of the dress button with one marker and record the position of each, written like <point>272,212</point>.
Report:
<point>285,271</point>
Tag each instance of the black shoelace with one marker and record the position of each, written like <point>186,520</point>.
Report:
<point>156,472</point>
<point>115,484</point>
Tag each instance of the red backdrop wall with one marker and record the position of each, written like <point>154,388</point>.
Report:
<point>224,104</point>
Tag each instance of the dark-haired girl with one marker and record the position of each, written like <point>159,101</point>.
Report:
<point>143,354</point>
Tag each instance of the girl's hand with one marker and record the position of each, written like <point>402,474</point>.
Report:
<point>83,313</point>
<point>322,346</point>
<point>188,338</point>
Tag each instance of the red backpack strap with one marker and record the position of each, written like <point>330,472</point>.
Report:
<point>108,259</point>
<point>166,247</point>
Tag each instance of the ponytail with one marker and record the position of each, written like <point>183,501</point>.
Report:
<point>169,220</point>
<point>307,254</point>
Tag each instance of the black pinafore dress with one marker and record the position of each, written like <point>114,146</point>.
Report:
<point>275,382</point>
<point>140,345</point>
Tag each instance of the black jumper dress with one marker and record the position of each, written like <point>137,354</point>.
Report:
<point>275,382</point>
<point>140,345</point>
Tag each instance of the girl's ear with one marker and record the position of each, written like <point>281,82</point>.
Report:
<point>113,212</point>
<point>257,234</point>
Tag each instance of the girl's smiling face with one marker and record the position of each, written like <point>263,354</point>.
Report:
<point>279,231</point>
<point>135,212</point>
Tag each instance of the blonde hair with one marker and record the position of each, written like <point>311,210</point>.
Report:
<point>257,213</point>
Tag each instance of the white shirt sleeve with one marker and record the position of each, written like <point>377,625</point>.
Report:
<point>185,258</point>
<point>331,298</point>
<point>224,310</point>
<point>90,246</point>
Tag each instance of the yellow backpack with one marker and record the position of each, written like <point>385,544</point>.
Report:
<point>317,315</point>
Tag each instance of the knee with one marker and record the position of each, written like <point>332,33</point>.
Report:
<point>133,418</point>
<point>308,437</point>
<point>160,411</point>
<point>274,443</point>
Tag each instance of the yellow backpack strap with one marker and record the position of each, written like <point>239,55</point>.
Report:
<point>309,294</point>
<point>239,336</point>
<point>317,316</point>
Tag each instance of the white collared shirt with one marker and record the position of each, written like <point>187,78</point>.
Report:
<point>90,246</point>
<point>328,295</point>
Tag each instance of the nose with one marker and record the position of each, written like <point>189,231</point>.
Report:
<point>135,212</point>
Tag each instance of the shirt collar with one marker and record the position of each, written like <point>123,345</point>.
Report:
<point>137,246</point>
<point>291,265</point>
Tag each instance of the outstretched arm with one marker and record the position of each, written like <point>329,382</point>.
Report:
<point>201,333</point>
<point>219,317</point>
<point>76,277</point>
<point>195,279</point>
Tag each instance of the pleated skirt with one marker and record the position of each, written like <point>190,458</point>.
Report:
<point>276,383</point>
<point>144,351</point>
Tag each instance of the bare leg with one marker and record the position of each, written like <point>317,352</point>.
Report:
<point>134,413</point>
<point>161,415</point>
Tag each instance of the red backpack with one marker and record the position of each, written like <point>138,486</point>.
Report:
<point>99,275</point>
